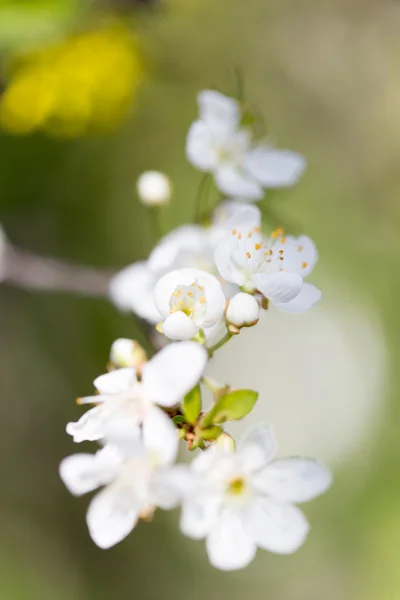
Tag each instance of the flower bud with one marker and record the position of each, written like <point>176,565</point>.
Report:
<point>226,442</point>
<point>154,188</point>
<point>243,310</point>
<point>127,353</point>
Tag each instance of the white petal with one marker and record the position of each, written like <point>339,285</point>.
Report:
<point>215,299</point>
<point>229,547</point>
<point>257,448</point>
<point>82,473</point>
<point>112,515</point>
<point>182,239</point>
<point>116,382</point>
<point>160,436</point>
<point>243,216</point>
<point>307,298</point>
<point>199,514</point>
<point>165,287</point>
<point>225,266</point>
<point>278,287</point>
<point>276,527</point>
<point>219,112</point>
<point>200,147</point>
<point>237,184</point>
<point>293,480</point>
<point>275,168</point>
<point>173,372</point>
<point>170,485</point>
<point>88,428</point>
<point>132,290</point>
<point>179,326</point>
<point>301,253</point>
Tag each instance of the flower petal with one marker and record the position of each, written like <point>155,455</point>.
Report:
<point>116,382</point>
<point>132,290</point>
<point>187,238</point>
<point>82,473</point>
<point>257,448</point>
<point>200,147</point>
<point>112,515</point>
<point>229,546</point>
<point>278,287</point>
<point>179,326</point>
<point>165,287</point>
<point>225,265</point>
<point>309,296</point>
<point>170,485</point>
<point>275,168</point>
<point>293,480</point>
<point>89,427</point>
<point>173,372</point>
<point>215,297</point>
<point>220,113</point>
<point>160,436</point>
<point>199,514</point>
<point>237,184</point>
<point>276,527</point>
<point>301,253</point>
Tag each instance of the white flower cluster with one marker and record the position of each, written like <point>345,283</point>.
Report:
<point>199,287</point>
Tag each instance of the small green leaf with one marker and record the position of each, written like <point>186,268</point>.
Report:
<point>210,433</point>
<point>178,420</point>
<point>191,405</point>
<point>231,407</point>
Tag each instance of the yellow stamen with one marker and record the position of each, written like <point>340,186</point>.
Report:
<point>248,254</point>
<point>304,264</point>
<point>257,246</point>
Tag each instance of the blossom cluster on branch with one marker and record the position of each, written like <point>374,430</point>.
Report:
<point>199,287</point>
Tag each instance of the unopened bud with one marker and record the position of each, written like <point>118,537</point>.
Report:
<point>225,442</point>
<point>243,310</point>
<point>127,353</point>
<point>154,188</point>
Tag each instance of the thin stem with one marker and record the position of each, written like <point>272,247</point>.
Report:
<point>219,344</point>
<point>29,271</point>
<point>199,197</point>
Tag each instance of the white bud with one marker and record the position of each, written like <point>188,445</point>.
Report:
<point>154,188</point>
<point>243,310</point>
<point>226,442</point>
<point>127,353</point>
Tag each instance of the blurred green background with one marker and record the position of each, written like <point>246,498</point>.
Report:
<point>325,74</point>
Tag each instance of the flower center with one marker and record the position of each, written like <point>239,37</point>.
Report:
<point>237,486</point>
<point>189,299</point>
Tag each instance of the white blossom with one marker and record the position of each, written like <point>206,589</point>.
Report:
<point>274,266</point>
<point>124,403</point>
<point>243,501</point>
<point>154,188</point>
<point>187,246</point>
<point>188,300</point>
<point>136,481</point>
<point>218,143</point>
<point>127,353</point>
<point>243,310</point>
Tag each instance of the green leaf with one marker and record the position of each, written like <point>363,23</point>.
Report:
<point>178,420</point>
<point>231,407</point>
<point>191,405</point>
<point>210,433</point>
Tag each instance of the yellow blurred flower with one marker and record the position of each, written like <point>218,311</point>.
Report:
<point>86,82</point>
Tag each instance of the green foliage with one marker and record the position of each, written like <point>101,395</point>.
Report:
<point>191,405</point>
<point>231,407</point>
